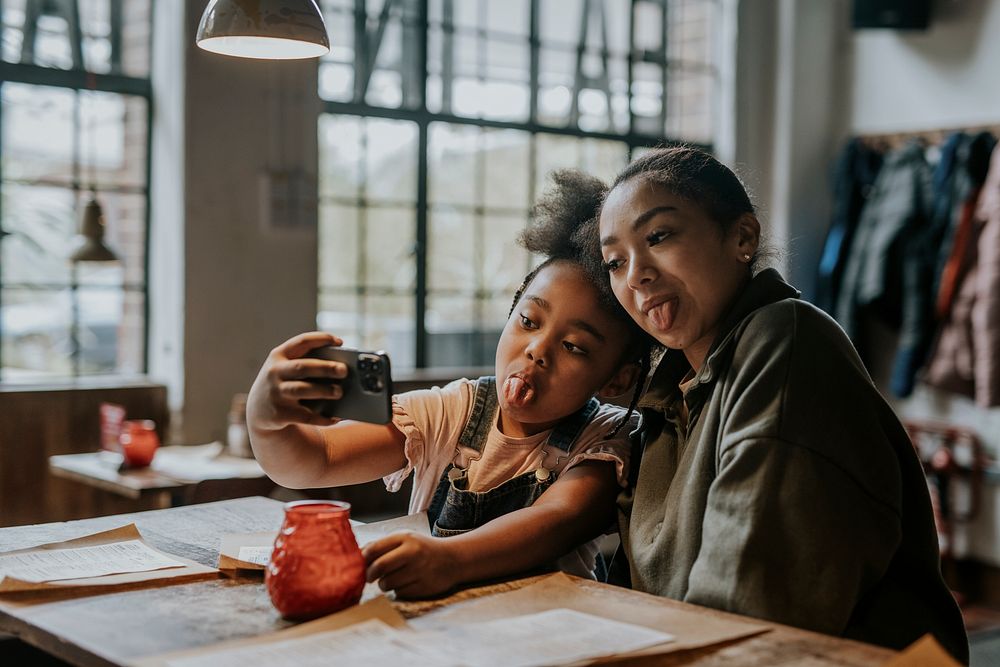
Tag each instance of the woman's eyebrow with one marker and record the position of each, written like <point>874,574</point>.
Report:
<point>639,222</point>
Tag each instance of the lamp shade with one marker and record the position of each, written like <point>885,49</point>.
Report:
<point>90,245</point>
<point>267,29</point>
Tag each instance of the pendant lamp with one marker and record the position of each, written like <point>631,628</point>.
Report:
<point>267,29</point>
<point>90,245</point>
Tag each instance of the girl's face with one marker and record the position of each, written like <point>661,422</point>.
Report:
<point>671,266</point>
<point>558,348</point>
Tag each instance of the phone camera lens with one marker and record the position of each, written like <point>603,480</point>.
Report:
<point>364,364</point>
<point>371,383</point>
<point>375,365</point>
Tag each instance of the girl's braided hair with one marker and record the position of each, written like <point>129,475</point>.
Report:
<point>564,228</point>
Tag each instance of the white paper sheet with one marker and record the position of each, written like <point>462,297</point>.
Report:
<point>557,636</point>
<point>256,555</point>
<point>367,643</point>
<point>369,532</point>
<point>196,463</point>
<point>553,637</point>
<point>80,562</point>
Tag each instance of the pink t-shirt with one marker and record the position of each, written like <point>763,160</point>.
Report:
<point>433,419</point>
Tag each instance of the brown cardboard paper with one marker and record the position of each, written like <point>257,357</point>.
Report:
<point>925,652</point>
<point>190,570</point>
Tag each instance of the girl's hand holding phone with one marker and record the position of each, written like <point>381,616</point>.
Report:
<point>283,382</point>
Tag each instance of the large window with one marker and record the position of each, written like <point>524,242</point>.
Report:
<point>74,126</point>
<point>442,120</point>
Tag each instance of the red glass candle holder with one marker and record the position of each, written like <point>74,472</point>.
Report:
<point>316,567</point>
<point>139,442</point>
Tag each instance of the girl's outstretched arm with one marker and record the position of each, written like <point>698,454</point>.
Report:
<point>300,449</point>
<point>578,507</point>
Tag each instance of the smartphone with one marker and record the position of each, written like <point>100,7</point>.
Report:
<point>367,387</point>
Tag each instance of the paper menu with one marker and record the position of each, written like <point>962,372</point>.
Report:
<point>255,555</point>
<point>379,609</point>
<point>184,569</point>
<point>251,551</point>
<point>83,562</point>
<point>556,636</point>
<point>366,643</point>
<point>692,629</point>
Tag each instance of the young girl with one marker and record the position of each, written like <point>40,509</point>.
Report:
<point>516,471</point>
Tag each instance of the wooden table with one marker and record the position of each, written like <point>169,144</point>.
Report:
<point>115,628</point>
<point>155,489</point>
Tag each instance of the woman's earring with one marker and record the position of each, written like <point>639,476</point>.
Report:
<point>746,257</point>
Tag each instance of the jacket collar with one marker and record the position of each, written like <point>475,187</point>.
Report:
<point>765,288</point>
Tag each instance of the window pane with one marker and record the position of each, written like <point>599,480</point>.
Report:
<point>454,335</point>
<point>689,112</point>
<point>391,161</point>
<point>131,342</point>
<point>113,140</point>
<point>338,246</point>
<point>339,313</point>
<point>35,326</point>
<point>452,163</point>
<point>339,155</point>
<point>388,325</point>
<point>451,245</point>
<point>506,168</point>
<point>93,48</point>
<point>553,152</point>
<point>560,22</point>
<point>38,134</point>
<point>42,222</point>
<point>556,76</point>
<point>510,17</point>
<point>504,95</point>
<point>124,229</point>
<point>389,239</point>
<point>505,263</point>
<point>495,313</point>
<point>101,313</point>
<point>603,158</point>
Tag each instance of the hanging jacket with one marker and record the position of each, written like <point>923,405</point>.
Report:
<point>966,356</point>
<point>896,211</point>
<point>853,178</point>
<point>959,174</point>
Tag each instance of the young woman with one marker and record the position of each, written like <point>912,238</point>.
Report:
<point>774,481</point>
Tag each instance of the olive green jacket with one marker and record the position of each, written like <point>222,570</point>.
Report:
<point>793,494</point>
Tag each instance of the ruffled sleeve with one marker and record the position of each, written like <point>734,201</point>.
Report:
<point>413,449</point>
<point>594,444</point>
<point>431,421</point>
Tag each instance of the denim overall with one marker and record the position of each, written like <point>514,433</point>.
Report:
<point>454,509</point>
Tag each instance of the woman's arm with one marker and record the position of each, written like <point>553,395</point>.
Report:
<point>578,507</point>
<point>300,449</point>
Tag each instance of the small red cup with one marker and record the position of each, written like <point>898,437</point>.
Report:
<point>139,442</point>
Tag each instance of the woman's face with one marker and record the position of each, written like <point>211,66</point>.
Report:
<point>671,266</point>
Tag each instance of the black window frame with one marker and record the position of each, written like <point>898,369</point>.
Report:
<point>423,118</point>
<point>82,80</point>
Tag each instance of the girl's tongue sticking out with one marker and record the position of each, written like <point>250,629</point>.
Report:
<point>517,391</point>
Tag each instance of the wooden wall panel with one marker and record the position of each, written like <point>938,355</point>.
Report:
<point>38,422</point>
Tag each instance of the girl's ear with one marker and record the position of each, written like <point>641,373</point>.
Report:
<point>747,229</point>
<point>623,380</point>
